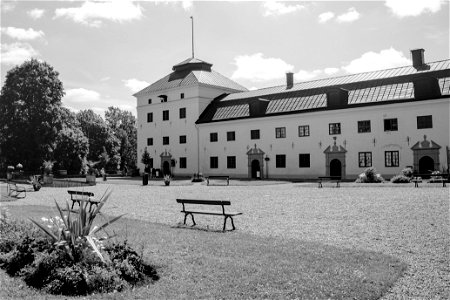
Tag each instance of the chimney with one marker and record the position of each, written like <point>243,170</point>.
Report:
<point>418,58</point>
<point>289,80</point>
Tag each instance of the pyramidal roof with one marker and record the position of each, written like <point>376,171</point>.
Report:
<point>192,71</point>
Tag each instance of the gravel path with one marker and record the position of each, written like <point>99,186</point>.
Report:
<point>409,223</point>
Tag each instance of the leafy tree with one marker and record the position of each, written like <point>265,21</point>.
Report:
<point>72,146</point>
<point>123,124</point>
<point>145,159</point>
<point>99,136</point>
<point>30,104</point>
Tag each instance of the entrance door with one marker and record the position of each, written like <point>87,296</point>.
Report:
<point>335,168</point>
<point>166,168</point>
<point>426,165</point>
<point>256,168</point>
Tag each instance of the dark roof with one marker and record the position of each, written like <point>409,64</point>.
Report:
<point>385,86</point>
<point>192,71</point>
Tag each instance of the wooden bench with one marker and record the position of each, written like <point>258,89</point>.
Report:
<point>418,178</point>
<point>218,177</point>
<point>322,179</point>
<point>16,191</point>
<point>221,203</point>
<point>79,196</point>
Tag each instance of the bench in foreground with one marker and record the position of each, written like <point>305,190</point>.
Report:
<point>79,196</point>
<point>221,203</point>
<point>437,178</point>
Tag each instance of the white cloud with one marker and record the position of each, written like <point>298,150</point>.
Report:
<point>350,16</point>
<point>7,6</point>
<point>16,53</point>
<point>187,5</point>
<point>256,68</point>
<point>135,85</point>
<point>36,13</point>
<point>371,61</point>
<point>326,16</point>
<point>303,75</point>
<point>81,95</point>
<point>92,13</point>
<point>275,8</point>
<point>22,34</point>
<point>331,71</point>
<point>103,79</point>
<point>412,8</point>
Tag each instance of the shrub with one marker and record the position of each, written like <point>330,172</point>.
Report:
<point>369,176</point>
<point>400,179</point>
<point>407,172</point>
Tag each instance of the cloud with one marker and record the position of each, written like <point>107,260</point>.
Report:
<point>330,71</point>
<point>81,95</point>
<point>326,16</point>
<point>413,8</point>
<point>256,68</point>
<point>135,85</point>
<point>371,61</point>
<point>303,75</point>
<point>275,8</point>
<point>187,5</point>
<point>8,6</point>
<point>350,16</point>
<point>36,13</point>
<point>16,53</point>
<point>22,34</point>
<point>92,13</point>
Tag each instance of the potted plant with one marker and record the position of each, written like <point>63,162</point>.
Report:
<point>48,168</point>
<point>167,180</point>
<point>91,173</point>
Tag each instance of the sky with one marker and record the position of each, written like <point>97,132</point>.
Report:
<point>105,51</point>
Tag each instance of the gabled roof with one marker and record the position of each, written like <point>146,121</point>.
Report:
<point>192,72</point>
<point>370,88</point>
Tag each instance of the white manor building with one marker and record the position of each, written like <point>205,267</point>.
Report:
<point>196,120</point>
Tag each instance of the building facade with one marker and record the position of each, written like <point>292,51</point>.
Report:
<point>387,119</point>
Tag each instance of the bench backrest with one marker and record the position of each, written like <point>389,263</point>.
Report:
<point>204,202</point>
<point>90,194</point>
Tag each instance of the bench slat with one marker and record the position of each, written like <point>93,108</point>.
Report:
<point>205,202</point>
<point>205,212</point>
<point>80,193</point>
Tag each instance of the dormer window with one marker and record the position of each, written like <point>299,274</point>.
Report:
<point>163,98</point>
<point>182,95</point>
<point>150,101</point>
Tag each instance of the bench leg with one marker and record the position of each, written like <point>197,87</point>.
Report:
<point>320,184</point>
<point>192,217</point>
<point>225,223</point>
<point>416,184</point>
<point>338,184</point>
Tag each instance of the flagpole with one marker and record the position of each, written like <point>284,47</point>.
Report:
<point>192,22</point>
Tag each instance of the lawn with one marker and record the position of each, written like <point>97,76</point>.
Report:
<point>293,241</point>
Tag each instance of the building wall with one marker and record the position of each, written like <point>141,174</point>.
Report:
<point>196,99</point>
<point>377,141</point>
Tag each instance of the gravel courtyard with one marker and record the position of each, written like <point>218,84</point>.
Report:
<point>409,223</point>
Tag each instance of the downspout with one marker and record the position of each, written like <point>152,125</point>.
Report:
<point>198,148</point>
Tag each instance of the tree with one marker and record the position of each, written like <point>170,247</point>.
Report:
<point>123,124</point>
<point>146,159</point>
<point>99,136</point>
<point>30,104</point>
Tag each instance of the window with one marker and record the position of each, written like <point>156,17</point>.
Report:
<point>183,113</point>
<point>149,117</point>
<point>280,132</point>
<point>150,101</point>
<point>163,98</point>
<point>231,136</point>
<point>363,126</point>
<point>334,128</point>
<point>304,160</point>
<point>424,122</point>
<point>390,125</point>
<point>280,161</point>
<point>365,159</point>
<point>231,162</point>
<point>213,162</point>
<point>165,140</point>
<point>303,130</point>
<point>183,163</point>
<point>165,115</point>
<point>182,95</point>
<point>254,134</point>
<point>182,139</point>
<point>149,141</point>
<point>391,159</point>
<point>213,137</point>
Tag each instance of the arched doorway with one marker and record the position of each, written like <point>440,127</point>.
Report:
<point>256,168</point>
<point>166,168</point>
<point>426,165</point>
<point>335,168</point>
